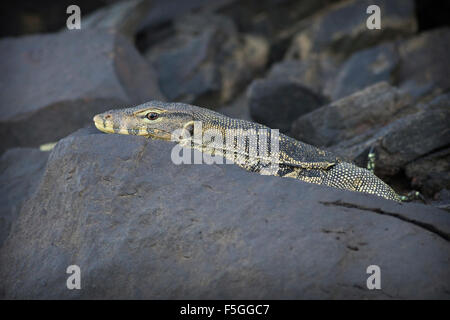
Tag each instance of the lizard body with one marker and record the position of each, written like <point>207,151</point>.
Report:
<point>250,145</point>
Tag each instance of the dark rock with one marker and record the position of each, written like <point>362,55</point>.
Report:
<point>424,65</point>
<point>418,65</point>
<point>163,11</point>
<point>207,62</point>
<point>290,89</point>
<point>143,17</point>
<point>53,84</point>
<point>275,20</point>
<point>411,137</point>
<point>158,25</point>
<point>357,114</point>
<point>270,18</point>
<point>20,172</point>
<point>238,108</point>
<point>123,16</point>
<point>442,199</point>
<point>277,101</point>
<point>341,29</point>
<point>364,68</point>
<point>120,209</point>
<point>403,141</point>
<point>312,73</point>
<point>431,173</point>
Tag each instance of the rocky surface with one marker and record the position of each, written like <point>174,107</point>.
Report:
<point>430,173</point>
<point>20,172</point>
<point>409,143</point>
<point>365,68</point>
<point>417,65</point>
<point>363,111</point>
<point>207,62</point>
<point>275,101</point>
<point>118,210</point>
<point>369,119</point>
<point>424,62</point>
<point>275,20</point>
<point>341,29</point>
<point>125,17</point>
<point>163,12</point>
<point>238,108</point>
<point>53,84</point>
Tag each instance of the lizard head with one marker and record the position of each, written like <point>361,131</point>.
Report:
<point>154,119</point>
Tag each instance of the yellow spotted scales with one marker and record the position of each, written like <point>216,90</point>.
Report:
<point>251,145</point>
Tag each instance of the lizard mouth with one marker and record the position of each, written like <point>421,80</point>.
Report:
<point>158,134</point>
<point>101,125</point>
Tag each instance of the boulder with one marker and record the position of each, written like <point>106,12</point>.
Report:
<point>278,101</point>
<point>207,62</point>
<point>442,199</point>
<point>341,29</point>
<point>417,65</point>
<point>117,207</point>
<point>238,108</point>
<point>163,12</point>
<point>362,112</point>
<point>53,84</point>
<point>424,64</point>
<point>275,20</point>
<point>412,137</point>
<point>416,143</point>
<point>431,173</point>
<point>365,68</point>
<point>21,170</point>
<point>290,89</point>
<point>312,73</point>
<point>125,17</point>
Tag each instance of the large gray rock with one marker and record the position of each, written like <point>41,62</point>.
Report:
<point>53,84</point>
<point>125,17</point>
<point>430,173</point>
<point>364,111</point>
<point>275,20</point>
<point>418,65</point>
<point>207,62</point>
<point>364,68</point>
<point>424,64</point>
<point>341,29</point>
<point>311,73</point>
<point>414,145</point>
<point>141,227</point>
<point>316,74</point>
<point>404,141</point>
<point>20,172</point>
<point>238,108</point>
<point>163,12</point>
<point>290,89</point>
<point>405,136</point>
<point>278,101</point>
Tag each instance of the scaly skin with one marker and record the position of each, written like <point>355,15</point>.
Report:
<point>295,159</point>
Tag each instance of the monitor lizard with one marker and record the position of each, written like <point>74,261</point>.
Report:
<point>294,159</point>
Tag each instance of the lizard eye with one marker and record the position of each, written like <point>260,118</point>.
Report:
<point>152,116</point>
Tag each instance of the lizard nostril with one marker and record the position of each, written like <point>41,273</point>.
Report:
<point>108,116</point>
